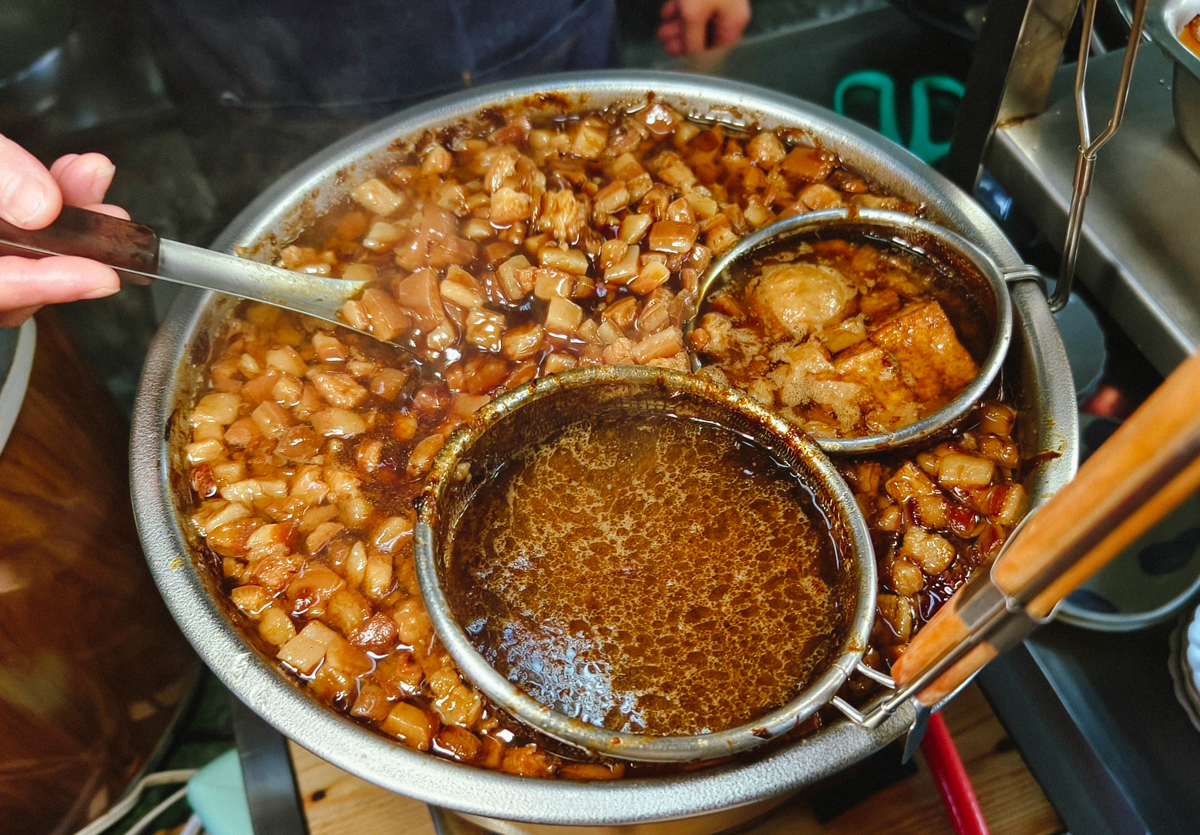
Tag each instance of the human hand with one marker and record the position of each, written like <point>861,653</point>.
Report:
<point>690,26</point>
<point>31,198</point>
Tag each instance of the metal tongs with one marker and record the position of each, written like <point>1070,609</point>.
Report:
<point>1085,162</point>
<point>1149,466</point>
<point>1141,473</point>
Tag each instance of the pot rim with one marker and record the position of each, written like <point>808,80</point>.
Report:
<point>258,682</point>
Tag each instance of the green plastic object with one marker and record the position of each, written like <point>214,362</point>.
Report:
<point>884,87</point>
<point>920,141</point>
<point>217,793</point>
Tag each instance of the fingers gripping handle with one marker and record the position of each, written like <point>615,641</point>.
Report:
<point>121,244</point>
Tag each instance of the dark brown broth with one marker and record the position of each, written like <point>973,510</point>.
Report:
<point>653,574</point>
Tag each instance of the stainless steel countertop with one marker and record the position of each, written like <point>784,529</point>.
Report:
<point>1097,722</point>
<point>1138,257</point>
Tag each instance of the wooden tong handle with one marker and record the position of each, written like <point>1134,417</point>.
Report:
<point>1148,466</point>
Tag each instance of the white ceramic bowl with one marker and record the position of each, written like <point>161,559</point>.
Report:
<point>1184,665</point>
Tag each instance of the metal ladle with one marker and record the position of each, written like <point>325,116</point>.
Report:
<point>530,416</point>
<point>139,254</point>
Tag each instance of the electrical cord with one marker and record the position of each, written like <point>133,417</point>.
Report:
<point>122,808</point>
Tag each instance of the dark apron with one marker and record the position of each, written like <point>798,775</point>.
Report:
<point>367,56</point>
<point>263,84</point>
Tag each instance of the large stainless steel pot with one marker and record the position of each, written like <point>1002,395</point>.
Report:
<point>715,797</point>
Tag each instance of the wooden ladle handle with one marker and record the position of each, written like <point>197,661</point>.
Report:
<point>109,240</point>
<point>1148,466</point>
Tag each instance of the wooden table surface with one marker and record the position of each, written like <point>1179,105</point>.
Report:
<point>337,803</point>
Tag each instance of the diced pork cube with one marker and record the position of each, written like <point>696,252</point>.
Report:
<point>305,651</point>
<point>808,165</point>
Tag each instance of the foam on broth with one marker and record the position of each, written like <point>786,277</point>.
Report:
<point>650,574</point>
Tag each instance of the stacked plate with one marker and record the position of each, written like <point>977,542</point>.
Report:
<point>1184,662</point>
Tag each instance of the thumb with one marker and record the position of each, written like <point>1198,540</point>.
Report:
<point>29,196</point>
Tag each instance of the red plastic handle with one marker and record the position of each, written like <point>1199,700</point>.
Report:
<point>962,806</point>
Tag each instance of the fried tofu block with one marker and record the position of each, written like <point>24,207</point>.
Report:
<point>867,365</point>
<point>922,342</point>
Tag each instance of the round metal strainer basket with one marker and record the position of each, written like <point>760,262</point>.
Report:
<point>527,418</point>
<point>964,270</point>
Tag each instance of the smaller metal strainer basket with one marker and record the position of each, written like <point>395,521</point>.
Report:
<point>526,418</point>
<point>966,274</point>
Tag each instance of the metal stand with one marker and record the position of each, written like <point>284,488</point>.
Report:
<point>1019,50</point>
